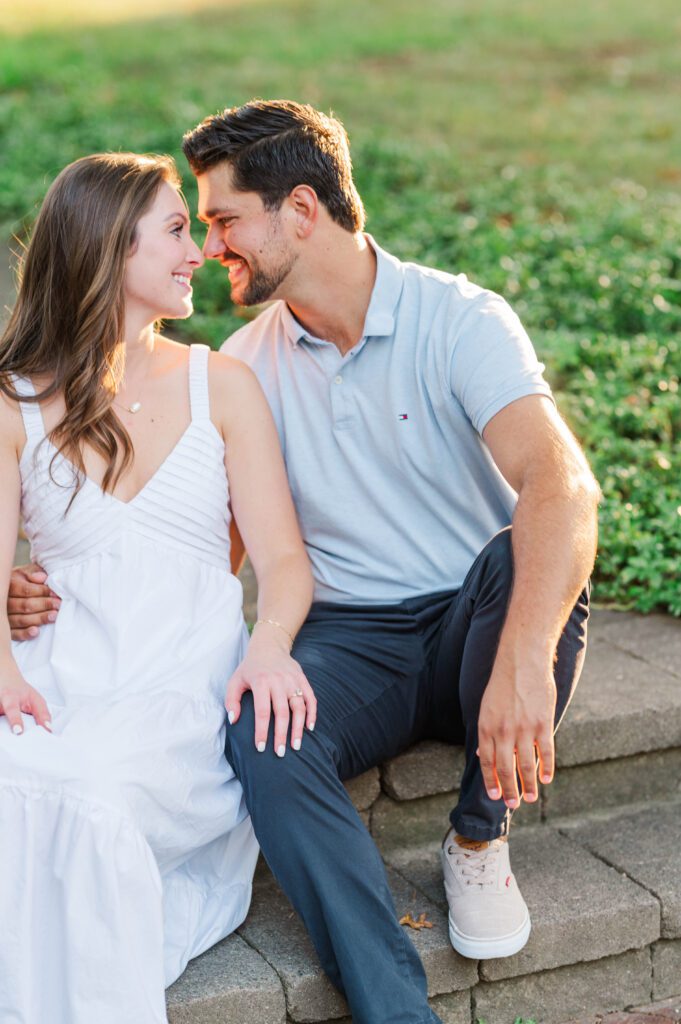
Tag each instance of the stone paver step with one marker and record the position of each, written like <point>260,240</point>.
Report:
<point>666,1011</point>
<point>604,897</point>
<point>230,984</point>
<point>645,846</point>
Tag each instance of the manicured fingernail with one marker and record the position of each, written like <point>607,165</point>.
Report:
<point>281,750</point>
<point>494,794</point>
<point>51,616</point>
<point>17,730</point>
<point>33,631</point>
<point>261,747</point>
<point>296,744</point>
<point>230,717</point>
<point>311,727</point>
<point>529,798</point>
<point>48,725</point>
<point>512,804</point>
<point>546,778</point>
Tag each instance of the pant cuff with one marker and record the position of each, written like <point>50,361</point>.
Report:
<point>474,830</point>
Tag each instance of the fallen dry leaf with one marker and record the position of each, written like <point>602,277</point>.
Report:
<point>419,923</point>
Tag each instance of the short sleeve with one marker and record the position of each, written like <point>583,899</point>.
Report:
<point>493,362</point>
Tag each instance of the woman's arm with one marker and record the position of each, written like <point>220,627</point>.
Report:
<point>15,693</point>
<point>263,510</point>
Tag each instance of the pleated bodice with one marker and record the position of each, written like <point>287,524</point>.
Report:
<point>184,506</point>
<point>160,559</point>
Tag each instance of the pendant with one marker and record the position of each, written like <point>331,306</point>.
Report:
<point>135,407</point>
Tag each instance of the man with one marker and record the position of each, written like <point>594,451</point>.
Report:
<point>416,426</point>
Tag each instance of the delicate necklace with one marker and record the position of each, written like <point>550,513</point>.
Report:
<point>133,407</point>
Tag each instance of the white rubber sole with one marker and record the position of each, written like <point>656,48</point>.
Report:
<point>489,949</point>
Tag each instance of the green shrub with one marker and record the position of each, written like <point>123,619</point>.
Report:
<point>621,397</point>
<point>480,184</point>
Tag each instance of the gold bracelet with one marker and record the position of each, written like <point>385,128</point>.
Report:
<point>273,622</point>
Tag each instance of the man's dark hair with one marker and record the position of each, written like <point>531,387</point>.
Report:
<point>274,145</point>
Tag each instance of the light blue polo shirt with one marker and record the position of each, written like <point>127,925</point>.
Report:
<point>395,489</point>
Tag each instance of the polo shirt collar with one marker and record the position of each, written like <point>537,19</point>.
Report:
<point>294,331</point>
<point>380,319</point>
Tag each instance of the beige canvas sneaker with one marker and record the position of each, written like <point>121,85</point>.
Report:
<point>488,916</point>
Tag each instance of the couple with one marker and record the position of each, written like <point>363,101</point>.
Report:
<point>415,425</point>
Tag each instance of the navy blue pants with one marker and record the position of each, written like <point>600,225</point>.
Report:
<point>384,677</point>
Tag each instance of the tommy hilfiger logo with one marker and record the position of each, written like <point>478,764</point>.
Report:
<point>402,416</point>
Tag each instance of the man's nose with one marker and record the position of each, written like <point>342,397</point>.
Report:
<point>213,245</point>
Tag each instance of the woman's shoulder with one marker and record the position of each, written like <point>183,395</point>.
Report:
<point>230,373</point>
<point>10,411</point>
<point>221,367</point>
<point>11,422</point>
<point>235,393</point>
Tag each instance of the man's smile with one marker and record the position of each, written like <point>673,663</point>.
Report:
<point>235,268</point>
<point>235,265</point>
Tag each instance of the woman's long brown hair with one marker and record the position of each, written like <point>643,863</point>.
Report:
<point>67,324</point>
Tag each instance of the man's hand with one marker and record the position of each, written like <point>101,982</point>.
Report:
<point>31,603</point>
<point>274,678</point>
<point>516,722</point>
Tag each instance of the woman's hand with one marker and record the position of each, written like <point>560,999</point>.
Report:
<point>277,683</point>
<point>16,695</point>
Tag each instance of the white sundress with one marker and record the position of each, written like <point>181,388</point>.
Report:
<point>125,844</point>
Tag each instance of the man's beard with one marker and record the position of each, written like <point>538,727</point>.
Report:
<point>263,283</point>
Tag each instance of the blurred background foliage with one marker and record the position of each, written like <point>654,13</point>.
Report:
<point>534,145</point>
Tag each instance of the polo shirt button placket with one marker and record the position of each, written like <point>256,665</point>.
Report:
<point>339,402</point>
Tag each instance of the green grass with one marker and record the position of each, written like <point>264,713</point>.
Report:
<point>535,146</point>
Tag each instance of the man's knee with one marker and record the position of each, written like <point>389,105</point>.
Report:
<point>500,548</point>
<point>572,647</point>
<point>498,559</point>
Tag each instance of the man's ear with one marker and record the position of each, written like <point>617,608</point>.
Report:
<point>304,207</point>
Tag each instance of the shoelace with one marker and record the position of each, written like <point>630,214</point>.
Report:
<point>477,867</point>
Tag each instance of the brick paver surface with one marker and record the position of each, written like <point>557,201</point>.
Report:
<point>666,1012</point>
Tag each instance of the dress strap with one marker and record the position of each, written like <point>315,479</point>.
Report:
<point>30,411</point>
<point>198,382</point>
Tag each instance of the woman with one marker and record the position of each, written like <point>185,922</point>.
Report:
<point>125,846</point>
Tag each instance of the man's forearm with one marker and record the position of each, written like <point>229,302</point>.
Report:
<point>555,530</point>
<point>554,545</point>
